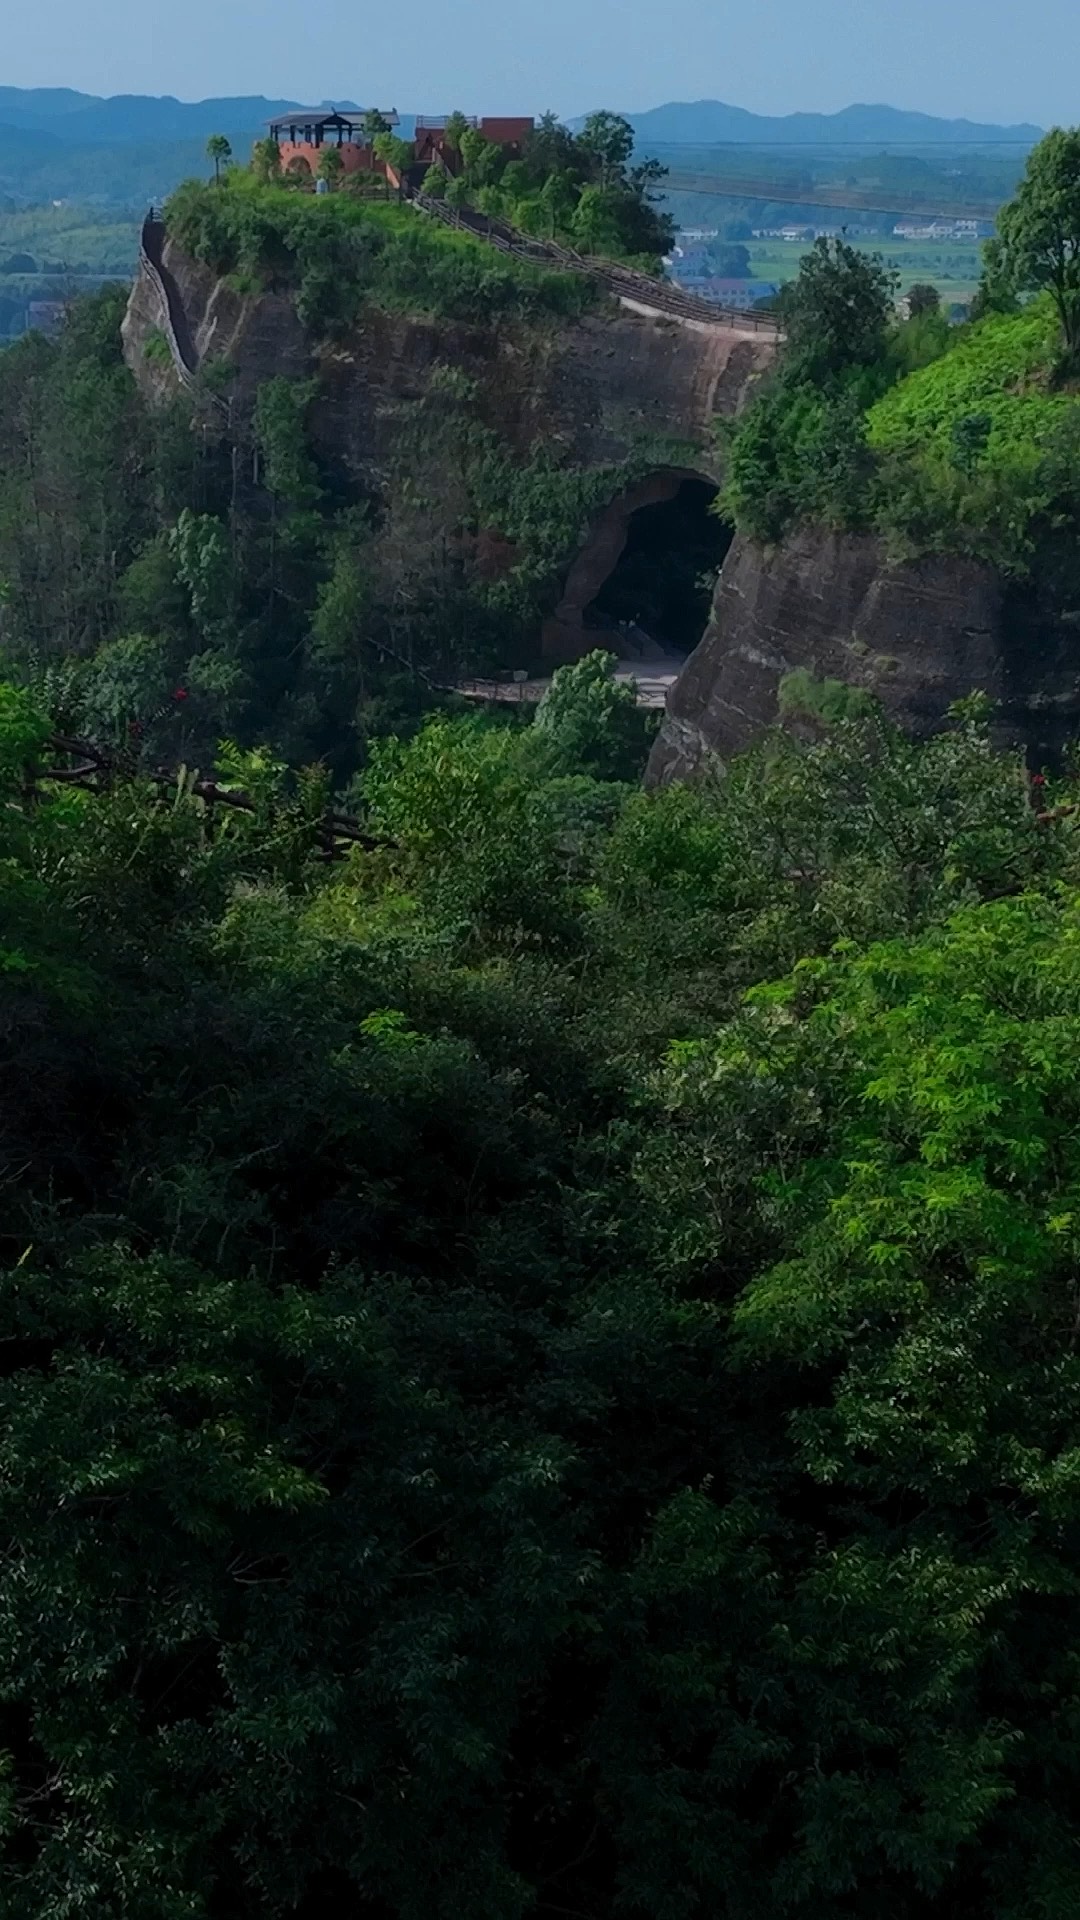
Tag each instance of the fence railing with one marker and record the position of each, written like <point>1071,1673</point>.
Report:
<point>657,296</point>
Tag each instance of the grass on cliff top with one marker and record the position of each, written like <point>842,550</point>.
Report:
<point>338,250</point>
<point>979,452</point>
<point>998,372</point>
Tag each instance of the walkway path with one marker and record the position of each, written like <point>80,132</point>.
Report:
<point>174,315</point>
<point>638,291</point>
<point>654,680</point>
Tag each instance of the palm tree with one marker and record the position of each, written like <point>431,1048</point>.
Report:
<point>220,152</point>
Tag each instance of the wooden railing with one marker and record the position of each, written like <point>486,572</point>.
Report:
<point>654,296</point>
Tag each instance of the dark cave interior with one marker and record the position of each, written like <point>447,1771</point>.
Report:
<point>663,581</point>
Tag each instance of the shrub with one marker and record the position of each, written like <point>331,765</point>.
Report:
<point>337,251</point>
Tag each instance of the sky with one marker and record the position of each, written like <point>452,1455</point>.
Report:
<point>989,60</point>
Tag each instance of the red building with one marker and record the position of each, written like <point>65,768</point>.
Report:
<point>432,148</point>
<point>304,133</point>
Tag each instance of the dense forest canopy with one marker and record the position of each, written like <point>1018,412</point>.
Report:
<point>539,1364</point>
<point>539,1318</point>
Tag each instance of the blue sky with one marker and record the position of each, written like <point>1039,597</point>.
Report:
<point>986,59</point>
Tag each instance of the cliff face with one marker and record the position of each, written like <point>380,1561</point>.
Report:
<point>588,390</point>
<point>917,635</point>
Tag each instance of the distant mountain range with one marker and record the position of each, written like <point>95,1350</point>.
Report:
<point>57,143</point>
<point>131,117</point>
<point>89,120</point>
<point>712,123</point>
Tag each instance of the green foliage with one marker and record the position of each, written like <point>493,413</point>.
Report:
<point>266,161</point>
<point>281,407</point>
<point>980,449</point>
<point>956,439</point>
<point>836,313</point>
<point>591,720</point>
<point>72,506</point>
<point>578,189</point>
<point>1039,230</point>
<point>993,368</point>
<point>498,1417</point>
<point>338,251</point>
<point>157,349</point>
<point>802,696</point>
<point>800,450</point>
<point>219,150</point>
<point>921,299</point>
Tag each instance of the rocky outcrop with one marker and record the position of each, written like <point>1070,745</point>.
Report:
<point>917,634</point>
<point>589,390</point>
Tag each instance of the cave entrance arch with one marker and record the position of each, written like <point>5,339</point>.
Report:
<point>641,583</point>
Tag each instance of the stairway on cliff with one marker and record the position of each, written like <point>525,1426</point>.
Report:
<point>178,331</point>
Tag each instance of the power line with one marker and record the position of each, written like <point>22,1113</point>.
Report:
<point>827,146</point>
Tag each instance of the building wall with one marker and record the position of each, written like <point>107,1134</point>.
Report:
<point>354,159</point>
<point>431,147</point>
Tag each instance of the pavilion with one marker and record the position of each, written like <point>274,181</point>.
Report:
<point>304,133</point>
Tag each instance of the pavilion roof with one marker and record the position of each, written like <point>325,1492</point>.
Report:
<point>331,116</point>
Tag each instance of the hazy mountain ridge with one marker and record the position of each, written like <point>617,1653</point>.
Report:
<point>57,143</point>
<point>132,116</point>
<point>90,118</point>
<point>702,122</point>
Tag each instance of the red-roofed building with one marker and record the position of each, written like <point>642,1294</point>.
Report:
<point>303,134</point>
<point>432,149</point>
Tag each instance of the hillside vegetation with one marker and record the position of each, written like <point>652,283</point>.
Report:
<point>539,1363</point>
<point>539,1319</point>
<point>298,605</point>
<point>338,250</point>
<point>961,439</point>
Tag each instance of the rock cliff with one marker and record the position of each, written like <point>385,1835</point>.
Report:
<point>588,391</point>
<point>917,634</point>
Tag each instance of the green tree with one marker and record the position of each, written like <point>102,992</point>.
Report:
<point>219,150</point>
<point>595,223</point>
<point>1039,230</point>
<point>394,152</point>
<point>591,721</point>
<point>482,158</point>
<point>457,126</point>
<point>331,165</point>
<point>836,312</point>
<point>266,161</point>
<point>608,141</point>
<point>922,298</point>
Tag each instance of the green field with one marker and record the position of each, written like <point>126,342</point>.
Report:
<point>78,237</point>
<point>949,265</point>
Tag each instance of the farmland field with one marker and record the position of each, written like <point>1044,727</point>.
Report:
<point>952,266</point>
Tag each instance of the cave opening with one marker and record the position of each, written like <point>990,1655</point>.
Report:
<point>660,588</point>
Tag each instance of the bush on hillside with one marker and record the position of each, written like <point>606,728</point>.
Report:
<point>338,250</point>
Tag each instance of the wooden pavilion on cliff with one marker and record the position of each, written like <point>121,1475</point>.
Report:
<point>304,133</point>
